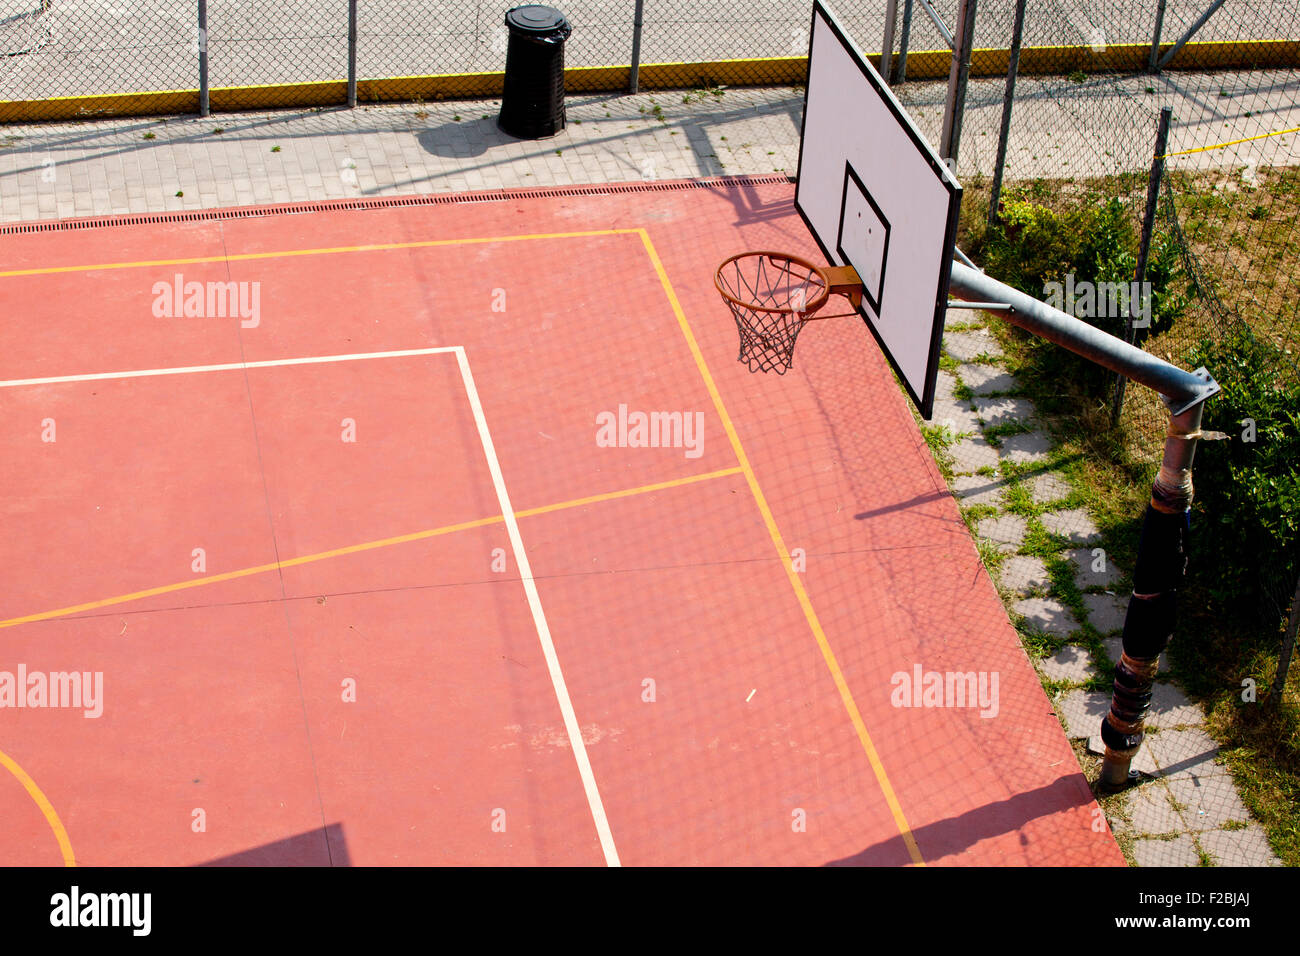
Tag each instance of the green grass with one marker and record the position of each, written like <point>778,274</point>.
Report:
<point>974,514</point>
<point>1247,238</point>
<point>708,90</point>
<point>938,437</point>
<point>1007,428</point>
<point>1260,743</point>
<point>1110,471</point>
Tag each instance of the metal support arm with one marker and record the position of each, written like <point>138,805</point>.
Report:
<point>943,30</point>
<point>1162,549</point>
<point>1181,387</point>
<point>1182,41</point>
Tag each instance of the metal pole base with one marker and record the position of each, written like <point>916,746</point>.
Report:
<point>1115,773</point>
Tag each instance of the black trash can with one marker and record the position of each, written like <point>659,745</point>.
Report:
<point>532,103</point>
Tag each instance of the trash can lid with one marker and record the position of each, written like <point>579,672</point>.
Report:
<point>536,18</point>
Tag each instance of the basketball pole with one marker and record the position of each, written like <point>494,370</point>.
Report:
<point>1163,546</point>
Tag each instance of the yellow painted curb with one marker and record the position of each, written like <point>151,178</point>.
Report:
<point>763,71</point>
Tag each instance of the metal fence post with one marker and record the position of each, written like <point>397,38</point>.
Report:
<point>1154,60</point>
<point>1144,248</point>
<point>352,54</point>
<point>1008,98</point>
<point>887,44</point>
<point>203,58</point>
<point>900,72</point>
<point>1288,646</point>
<point>957,76</point>
<point>634,82</point>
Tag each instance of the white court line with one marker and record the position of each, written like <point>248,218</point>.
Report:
<point>539,619</point>
<point>507,510</point>
<point>190,369</point>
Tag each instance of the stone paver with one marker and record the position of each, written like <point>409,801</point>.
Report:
<point>1082,711</point>
<point>972,454</point>
<point>1248,847</point>
<point>1105,611</point>
<point>987,379</point>
<point>391,149</point>
<point>963,317</point>
<point>964,346</point>
<point>1171,708</point>
<point>1026,448</point>
<point>1046,615</point>
<point>1180,851</point>
<point>1049,487</point>
<point>1151,810</point>
<point>1074,525</point>
<point>1207,802</point>
<point>944,385</point>
<point>955,416</point>
<point>1069,663</point>
<point>1023,574</point>
<point>1190,750</point>
<point>1006,531</point>
<point>978,490</point>
<point>1003,411</point>
<point>1093,569</point>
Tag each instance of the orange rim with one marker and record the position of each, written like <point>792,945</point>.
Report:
<point>810,307</point>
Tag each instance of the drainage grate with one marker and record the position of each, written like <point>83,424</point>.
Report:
<point>336,205</point>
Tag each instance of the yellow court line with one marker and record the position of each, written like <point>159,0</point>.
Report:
<point>805,603</point>
<point>46,808</point>
<point>846,695</point>
<point>329,250</point>
<point>364,546</point>
<point>1232,142</point>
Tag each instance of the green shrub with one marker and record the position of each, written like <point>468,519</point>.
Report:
<point>1248,493</point>
<point>1034,246</point>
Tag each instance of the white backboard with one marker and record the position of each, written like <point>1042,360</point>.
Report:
<point>877,197</point>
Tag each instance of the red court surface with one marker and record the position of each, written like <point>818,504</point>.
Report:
<point>436,617</point>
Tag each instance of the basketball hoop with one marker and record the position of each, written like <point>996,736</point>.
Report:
<point>771,295</point>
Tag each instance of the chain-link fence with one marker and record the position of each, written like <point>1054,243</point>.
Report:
<point>1076,175</point>
<point>404,49</point>
<point>298,52</point>
<point>1232,213</point>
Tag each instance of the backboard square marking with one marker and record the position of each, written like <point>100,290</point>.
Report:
<point>863,238</point>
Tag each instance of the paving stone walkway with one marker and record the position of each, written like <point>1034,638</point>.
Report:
<point>1027,520</point>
